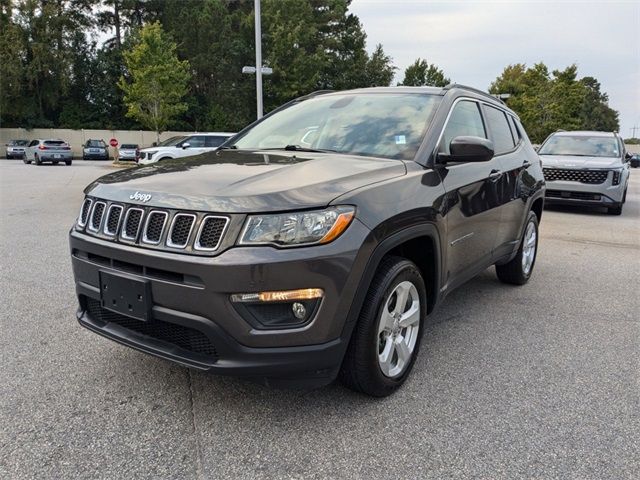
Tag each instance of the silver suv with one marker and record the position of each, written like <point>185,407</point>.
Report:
<point>586,168</point>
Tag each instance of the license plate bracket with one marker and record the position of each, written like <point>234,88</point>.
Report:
<point>126,295</point>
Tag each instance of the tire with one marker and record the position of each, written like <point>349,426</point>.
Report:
<point>519,269</point>
<point>37,160</point>
<point>55,163</point>
<point>67,162</point>
<point>28,162</point>
<point>617,210</point>
<point>364,368</point>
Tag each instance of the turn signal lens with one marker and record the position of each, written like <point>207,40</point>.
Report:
<point>278,296</point>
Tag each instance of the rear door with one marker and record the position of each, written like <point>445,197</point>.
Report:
<point>471,205</point>
<point>512,193</point>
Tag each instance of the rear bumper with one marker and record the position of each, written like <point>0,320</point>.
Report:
<point>55,156</point>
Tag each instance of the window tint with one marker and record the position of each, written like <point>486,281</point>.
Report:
<point>514,129</point>
<point>128,146</point>
<point>581,145</point>
<point>502,138</point>
<point>196,141</point>
<point>214,141</point>
<point>465,120</point>
<point>54,142</point>
<point>96,144</point>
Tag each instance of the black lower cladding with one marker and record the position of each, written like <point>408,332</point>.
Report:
<point>185,338</point>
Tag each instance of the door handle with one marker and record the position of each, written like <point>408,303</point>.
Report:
<point>495,175</point>
<point>526,164</point>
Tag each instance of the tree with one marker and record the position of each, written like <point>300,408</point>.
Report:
<point>420,74</point>
<point>548,101</point>
<point>157,80</point>
<point>379,69</point>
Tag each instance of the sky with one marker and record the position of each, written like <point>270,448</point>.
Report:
<point>472,41</point>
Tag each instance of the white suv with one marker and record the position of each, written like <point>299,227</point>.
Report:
<point>183,146</point>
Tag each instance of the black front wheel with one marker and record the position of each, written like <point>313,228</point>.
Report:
<point>37,159</point>
<point>386,339</point>
<point>519,269</point>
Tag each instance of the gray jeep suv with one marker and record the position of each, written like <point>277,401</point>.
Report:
<point>586,168</point>
<point>315,242</point>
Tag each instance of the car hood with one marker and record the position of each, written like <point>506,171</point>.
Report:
<point>246,181</point>
<point>570,161</point>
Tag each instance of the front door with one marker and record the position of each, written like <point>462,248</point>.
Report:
<point>471,205</point>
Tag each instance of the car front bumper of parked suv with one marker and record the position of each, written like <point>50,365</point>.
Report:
<point>194,321</point>
<point>596,187</point>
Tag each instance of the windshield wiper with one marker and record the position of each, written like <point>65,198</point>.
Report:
<point>299,148</point>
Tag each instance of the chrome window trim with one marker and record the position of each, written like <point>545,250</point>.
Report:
<point>169,243</point>
<point>106,222</point>
<point>196,243</point>
<point>124,223</point>
<point>80,223</point>
<point>146,226</point>
<point>90,219</point>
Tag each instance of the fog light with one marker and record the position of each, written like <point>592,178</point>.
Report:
<point>299,310</point>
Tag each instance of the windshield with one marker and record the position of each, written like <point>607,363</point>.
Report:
<point>96,143</point>
<point>581,146</point>
<point>170,142</point>
<point>128,146</point>
<point>18,143</point>
<point>389,125</point>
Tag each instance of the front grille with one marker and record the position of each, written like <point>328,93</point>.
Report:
<point>154,227</point>
<point>196,233</point>
<point>593,177</point>
<point>185,338</point>
<point>181,230</point>
<point>96,216</point>
<point>211,232</point>
<point>113,220</point>
<point>573,195</point>
<point>84,212</point>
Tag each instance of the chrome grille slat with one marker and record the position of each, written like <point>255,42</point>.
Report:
<point>154,227</point>
<point>112,223</point>
<point>180,230</point>
<point>210,233</point>
<point>97,213</point>
<point>84,212</point>
<point>131,224</point>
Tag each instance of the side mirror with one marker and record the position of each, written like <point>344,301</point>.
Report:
<point>627,156</point>
<point>468,149</point>
<point>536,147</point>
<point>154,144</point>
<point>186,145</point>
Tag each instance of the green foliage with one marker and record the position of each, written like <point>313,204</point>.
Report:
<point>156,81</point>
<point>549,101</point>
<point>420,73</point>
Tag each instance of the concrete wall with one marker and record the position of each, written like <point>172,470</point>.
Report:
<point>77,138</point>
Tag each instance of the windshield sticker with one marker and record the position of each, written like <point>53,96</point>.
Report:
<point>400,140</point>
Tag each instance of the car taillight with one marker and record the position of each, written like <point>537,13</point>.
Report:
<point>42,147</point>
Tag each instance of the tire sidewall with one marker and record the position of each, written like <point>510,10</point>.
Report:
<point>405,270</point>
<point>532,218</point>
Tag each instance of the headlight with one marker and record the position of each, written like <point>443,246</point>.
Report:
<point>297,228</point>
<point>151,154</point>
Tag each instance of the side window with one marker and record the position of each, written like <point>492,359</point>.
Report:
<point>214,141</point>
<point>465,120</point>
<point>196,141</point>
<point>502,138</point>
<point>514,129</point>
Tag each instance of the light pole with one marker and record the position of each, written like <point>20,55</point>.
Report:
<point>259,70</point>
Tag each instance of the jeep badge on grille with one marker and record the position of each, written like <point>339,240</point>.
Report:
<point>143,197</point>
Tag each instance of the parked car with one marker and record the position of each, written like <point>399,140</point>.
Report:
<point>586,168</point>
<point>54,151</point>
<point>15,148</point>
<point>293,265</point>
<point>635,160</point>
<point>129,152</point>
<point>183,146</point>
<point>95,150</point>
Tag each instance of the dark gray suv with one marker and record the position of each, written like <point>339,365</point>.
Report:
<point>315,242</point>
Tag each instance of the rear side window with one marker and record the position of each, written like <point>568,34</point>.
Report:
<point>195,142</point>
<point>214,141</point>
<point>502,138</point>
<point>465,120</point>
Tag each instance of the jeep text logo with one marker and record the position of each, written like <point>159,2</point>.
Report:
<point>143,197</point>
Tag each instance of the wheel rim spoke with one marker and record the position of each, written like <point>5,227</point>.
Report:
<point>386,356</point>
<point>411,316</point>
<point>403,350</point>
<point>402,293</point>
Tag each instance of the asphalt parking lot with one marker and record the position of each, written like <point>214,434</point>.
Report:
<point>540,381</point>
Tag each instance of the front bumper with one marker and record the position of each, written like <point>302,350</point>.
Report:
<point>575,193</point>
<point>95,155</point>
<point>194,294</point>
<point>15,153</point>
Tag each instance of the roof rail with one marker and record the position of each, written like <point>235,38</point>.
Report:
<point>472,89</point>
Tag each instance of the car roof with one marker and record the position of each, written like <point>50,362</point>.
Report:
<point>585,133</point>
